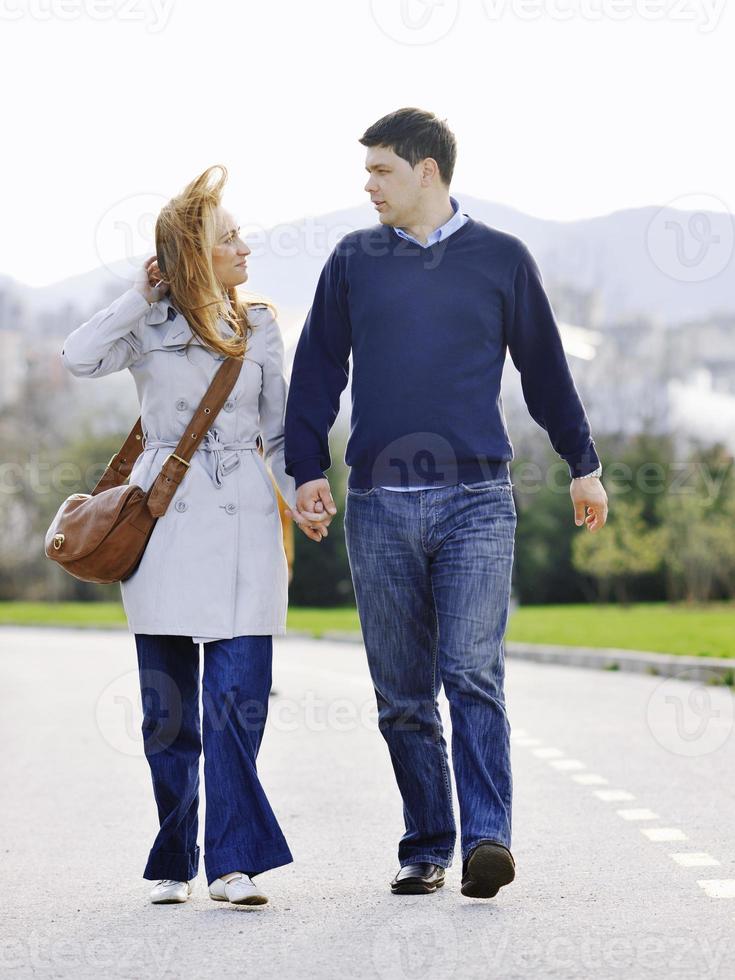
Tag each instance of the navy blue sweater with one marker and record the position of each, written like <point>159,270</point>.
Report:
<point>428,330</point>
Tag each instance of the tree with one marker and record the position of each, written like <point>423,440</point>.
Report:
<point>699,553</point>
<point>625,548</point>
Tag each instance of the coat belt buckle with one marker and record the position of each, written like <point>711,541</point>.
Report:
<point>230,463</point>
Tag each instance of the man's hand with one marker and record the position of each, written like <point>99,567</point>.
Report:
<point>312,494</point>
<point>314,508</point>
<point>589,493</point>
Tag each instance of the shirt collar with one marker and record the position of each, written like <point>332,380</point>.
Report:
<point>444,231</point>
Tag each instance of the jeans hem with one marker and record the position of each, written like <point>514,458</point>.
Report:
<point>468,848</point>
<point>444,862</point>
<point>172,865</point>
<point>223,862</point>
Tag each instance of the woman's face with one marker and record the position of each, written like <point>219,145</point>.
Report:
<point>229,255</point>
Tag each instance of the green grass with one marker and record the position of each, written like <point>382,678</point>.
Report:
<point>700,631</point>
<point>705,631</point>
<point>89,614</point>
<point>317,621</point>
<point>106,614</point>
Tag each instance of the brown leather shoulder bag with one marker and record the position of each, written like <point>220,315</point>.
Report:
<point>100,537</point>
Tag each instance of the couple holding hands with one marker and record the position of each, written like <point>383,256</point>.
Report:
<point>426,301</point>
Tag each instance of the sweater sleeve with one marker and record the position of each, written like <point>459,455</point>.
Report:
<point>107,342</point>
<point>272,407</point>
<point>535,346</point>
<point>319,375</point>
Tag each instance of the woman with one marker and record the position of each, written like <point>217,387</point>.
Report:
<point>214,570</point>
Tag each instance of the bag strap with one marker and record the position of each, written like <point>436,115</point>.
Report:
<point>176,463</point>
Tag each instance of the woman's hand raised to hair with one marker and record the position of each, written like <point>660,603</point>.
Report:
<point>148,281</point>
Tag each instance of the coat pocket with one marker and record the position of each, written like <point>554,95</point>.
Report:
<point>264,475</point>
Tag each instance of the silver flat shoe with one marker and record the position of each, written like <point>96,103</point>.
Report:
<point>168,891</point>
<point>237,888</point>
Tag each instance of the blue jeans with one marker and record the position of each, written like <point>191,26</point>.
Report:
<point>241,832</point>
<point>432,576</point>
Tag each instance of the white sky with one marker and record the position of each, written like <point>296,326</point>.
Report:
<point>110,100</point>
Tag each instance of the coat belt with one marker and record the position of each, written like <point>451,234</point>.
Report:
<point>221,457</point>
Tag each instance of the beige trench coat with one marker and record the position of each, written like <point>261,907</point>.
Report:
<point>215,565</point>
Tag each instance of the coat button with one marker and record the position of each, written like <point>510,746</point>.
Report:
<point>181,505</point>
<point>181,353</point>
<point>230,508</point>
<point>229,405</point>
<point>182,404</point>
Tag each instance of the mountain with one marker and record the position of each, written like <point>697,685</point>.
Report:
<point>662,263</point>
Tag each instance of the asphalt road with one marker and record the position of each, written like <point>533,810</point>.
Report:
<point>623,830</point>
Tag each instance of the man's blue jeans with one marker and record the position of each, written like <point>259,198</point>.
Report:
<point>432,576</point>
<point>241,832</point>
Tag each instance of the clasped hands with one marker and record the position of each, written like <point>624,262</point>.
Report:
<point>314,508</point>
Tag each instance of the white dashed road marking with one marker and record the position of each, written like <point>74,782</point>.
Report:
<point>719,887</point>
<point>546,753</point>
<point>714,887</point>
<point>691,859</point>
<point>567,764</point>
<point>613,795</point>
<point>589,779</point>
<point>664,833</point>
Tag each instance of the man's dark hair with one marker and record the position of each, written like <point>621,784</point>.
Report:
<point>414,135</point>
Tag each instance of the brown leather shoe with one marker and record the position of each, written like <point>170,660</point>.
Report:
<point>418,879</point>
<point>487,868</point>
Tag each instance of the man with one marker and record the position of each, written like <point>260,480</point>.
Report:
<point>427,303</point>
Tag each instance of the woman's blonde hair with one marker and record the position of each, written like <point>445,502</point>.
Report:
<point>186,233</point>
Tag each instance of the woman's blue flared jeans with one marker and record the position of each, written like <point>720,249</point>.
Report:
<point>241,832</point>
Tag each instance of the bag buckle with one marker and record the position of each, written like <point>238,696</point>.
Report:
<point>174,456</point>
<point>58,541</point>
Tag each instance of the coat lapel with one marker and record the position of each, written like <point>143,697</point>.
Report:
<point>175,326</point>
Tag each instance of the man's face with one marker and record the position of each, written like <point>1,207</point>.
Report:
<point>393,185</point>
